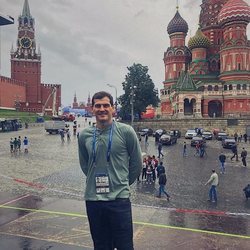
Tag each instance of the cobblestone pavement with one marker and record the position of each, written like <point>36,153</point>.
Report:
<point>51,172</point>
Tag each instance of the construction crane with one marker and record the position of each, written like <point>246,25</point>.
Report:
<point>53,93</point>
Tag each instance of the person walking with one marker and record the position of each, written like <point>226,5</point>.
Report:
<point>111,158</point>
<point>68,134</point>
<point>246,190</point>
<point>245,137</point>
<point>162,183</point>
<point>184,149</point>
<point>222,159</point>
<point>160,169</point>
<point>197,149</point>
<point>25,144</point>
<point>214,181</point>
<point>146,139</point>
<point>235,152</point>
<point>243,157</point>
<point>160,150</point>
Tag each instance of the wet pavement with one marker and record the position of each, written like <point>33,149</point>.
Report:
<point>41,204</point>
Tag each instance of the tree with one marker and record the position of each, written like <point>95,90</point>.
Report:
<point>144,90</point>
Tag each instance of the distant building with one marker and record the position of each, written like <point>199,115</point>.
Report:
<point>211,76</point>
<point>82,105</point>
<point>24,90</point>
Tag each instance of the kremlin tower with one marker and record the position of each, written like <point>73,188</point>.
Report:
<point>24,90</point>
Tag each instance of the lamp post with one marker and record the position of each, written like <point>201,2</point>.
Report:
<point>112,86</point>
<point>132,94</point>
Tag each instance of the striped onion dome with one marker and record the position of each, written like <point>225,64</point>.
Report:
<point>234,10</point>
<point>199,40</point>
<point>177,24</point>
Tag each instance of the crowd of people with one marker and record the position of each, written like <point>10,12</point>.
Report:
<point>153,170</point>
<point>16,144</point>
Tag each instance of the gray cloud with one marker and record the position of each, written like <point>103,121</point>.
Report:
<point>86,44</point>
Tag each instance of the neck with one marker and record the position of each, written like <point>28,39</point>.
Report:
<point>103,125</point>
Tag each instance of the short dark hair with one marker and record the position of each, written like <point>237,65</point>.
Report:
<point>213,170</point>
<point>100,95</point>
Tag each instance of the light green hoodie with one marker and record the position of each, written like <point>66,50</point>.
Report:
<point>125,160</point>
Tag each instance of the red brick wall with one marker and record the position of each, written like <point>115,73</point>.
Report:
<point>11,91</point>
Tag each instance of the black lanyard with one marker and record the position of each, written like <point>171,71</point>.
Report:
<point>109,144</point>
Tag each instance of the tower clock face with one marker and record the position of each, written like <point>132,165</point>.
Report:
<point>25,42</point>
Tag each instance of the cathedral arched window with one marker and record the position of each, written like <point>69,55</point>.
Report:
<point>210,88</point>
<point>230,87</point>
<point>238,86</point>
<point>225,87</point>
<point>244,87</point>
<point>216,88</point>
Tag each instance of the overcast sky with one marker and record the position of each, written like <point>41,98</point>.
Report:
<point>86,44</point>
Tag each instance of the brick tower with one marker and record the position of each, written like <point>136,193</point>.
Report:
<point>235,49</point>
<point>25,60</point>
<point>176,58</point>
<point>210,27</point>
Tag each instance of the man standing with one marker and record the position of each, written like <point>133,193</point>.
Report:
<point>243,157</point>
<point>160,150</point>
<point>111,158</point>
<point>19,143</point>
<point>222,159</point>
<point>213,180</point>
<point>146,139</point>
<point>25,144</point>
<point>11,145</point>
<point>245,138</point>
<point>184,149</point>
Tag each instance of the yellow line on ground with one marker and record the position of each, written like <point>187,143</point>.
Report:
<point>135,222</point>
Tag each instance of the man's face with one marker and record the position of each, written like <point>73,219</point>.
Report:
<point>103,110</point>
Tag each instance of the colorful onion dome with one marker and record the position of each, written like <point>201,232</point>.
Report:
<point>177,24</point>
<point>234,10</point>
<point>199,40</point>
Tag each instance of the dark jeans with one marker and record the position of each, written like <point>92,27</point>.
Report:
<point>235,154</point>
<point>111,224</point>
<point>144,174</point>
<point>244,161</point>
<point>162,190</point>
<point>213,193</point>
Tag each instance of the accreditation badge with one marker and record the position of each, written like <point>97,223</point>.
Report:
<point>102,183</point>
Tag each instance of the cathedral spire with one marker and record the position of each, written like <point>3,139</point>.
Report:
<point>26,9</point>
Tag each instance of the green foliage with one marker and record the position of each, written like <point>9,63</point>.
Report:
<point>145,93</point>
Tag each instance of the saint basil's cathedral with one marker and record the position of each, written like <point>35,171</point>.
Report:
<point>210,77</point>
<point>24,90</point>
